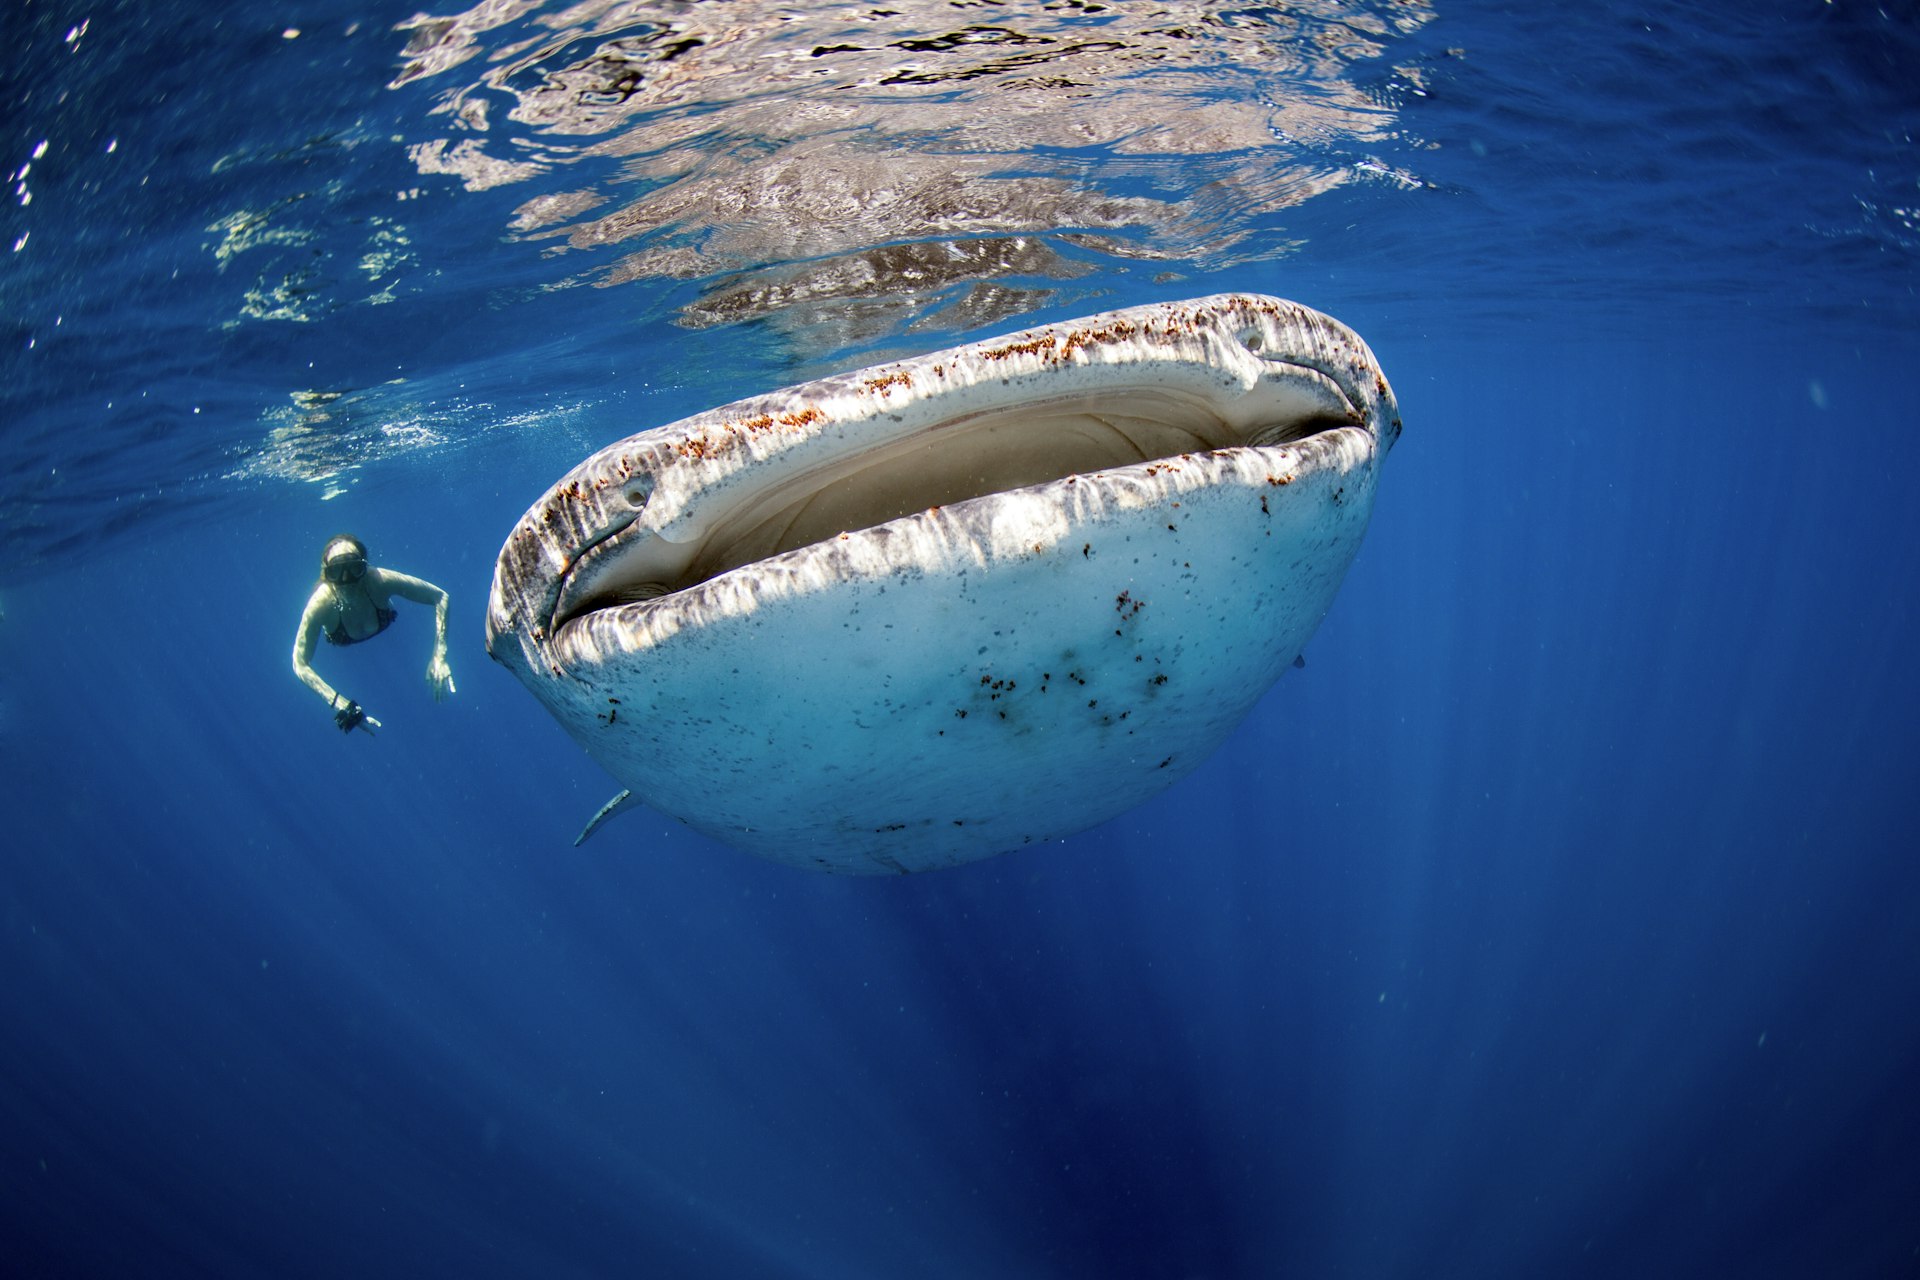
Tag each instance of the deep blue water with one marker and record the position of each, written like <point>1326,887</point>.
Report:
<point>1558,920</point>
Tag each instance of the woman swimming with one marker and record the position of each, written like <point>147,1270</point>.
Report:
<point>353,601</point>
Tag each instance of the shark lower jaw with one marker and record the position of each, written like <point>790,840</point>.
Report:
<point>971,679</point>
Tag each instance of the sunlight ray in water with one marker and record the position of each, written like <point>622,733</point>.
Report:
<point>1553,917</point>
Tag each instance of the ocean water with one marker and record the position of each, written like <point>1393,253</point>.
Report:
<point>1561,918</point>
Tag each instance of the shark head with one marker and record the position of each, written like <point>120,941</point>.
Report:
<point>936,609</point>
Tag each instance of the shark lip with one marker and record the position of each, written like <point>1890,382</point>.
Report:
<point>647,520</point>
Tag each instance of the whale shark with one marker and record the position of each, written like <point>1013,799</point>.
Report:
<point>941,608</point>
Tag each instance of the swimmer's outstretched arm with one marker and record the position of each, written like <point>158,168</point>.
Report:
<point>420,591</point>
<point>303,645</point>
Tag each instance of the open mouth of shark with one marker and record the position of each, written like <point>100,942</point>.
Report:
<point>953,459</point>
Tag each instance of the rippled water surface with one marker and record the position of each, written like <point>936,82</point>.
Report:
<point>1555,920</point>
<point>250,248</point>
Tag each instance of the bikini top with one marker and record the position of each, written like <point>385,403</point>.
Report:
<point>382,615</point>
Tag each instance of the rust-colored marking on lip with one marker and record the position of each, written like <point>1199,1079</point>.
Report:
<point>1118,332</point>
<point>1176,324</point>
<point>1031,347</point>
<point>701,447</point>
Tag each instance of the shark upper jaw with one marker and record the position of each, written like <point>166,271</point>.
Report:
<point>1108,402</point>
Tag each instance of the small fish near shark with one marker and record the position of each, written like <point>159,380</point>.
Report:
<point>941,608</point>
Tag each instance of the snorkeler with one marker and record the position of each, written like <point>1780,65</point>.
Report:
<point>353,602</point>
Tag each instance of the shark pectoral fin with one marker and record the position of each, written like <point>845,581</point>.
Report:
<point>619,804</point>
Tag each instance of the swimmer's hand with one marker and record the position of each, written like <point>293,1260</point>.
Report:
<point>353,716</point>
<point>440,678</point>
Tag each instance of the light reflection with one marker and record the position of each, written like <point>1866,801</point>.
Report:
<point>817,160</point>
<point>327,437</point>
<point>300,288</point>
